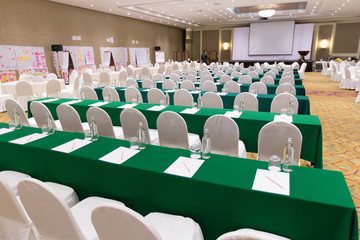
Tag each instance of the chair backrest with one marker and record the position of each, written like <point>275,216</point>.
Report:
<point>46,211</point>
<point>245,79</point>
<point>158,77</point>
<point>220,73</point>
<point>208,86</point>
<point>244,70</point>
<point>172,130</point>
<point>287,80</point>
<point>303,67</point>
<point>130,119</point>
<point>103,121</point>
<point>110,91</point>
<point>10,106</point>
<point>161,70</point>
<point>72,77</point>
<point>147,83</point>
<point>286,88</point>
<point>169,84</point>
<point>104,79</point>
<point>145,72</point>
<point>69,118</point>
<point>113,221</point>
<point>155,96</point>
<point>53,88</point>
<point>250,234</point>
<point>131,83</point>
<point>224,135</point>
<point>207,78</point>
<point>211,100</point>
<point>232,87</point>
<point>129,71</point>
<point>268,80</point>
<point>253,74</point>
<point>273,138</point>
<point>347,73</point>
<point>88,82</point>
<point>122,76</point>
<point>269,73</point>
<point>261,87</point>
<point>235,74</point>
<point>191,78</point>
<point>187,84</point>
<point>175,67</point>
<point>89,71</point>
<point>175,78</point>
<point>192,72</point>
<point>251,102</point>
<point>282,101</point>
<point>40,113</point>
<point>259,71</point>
<point>26,77</point>
<point>132,93</point>
<point>23,88</point>
<point>183,97</point>
<point>88,93</point>
<point>51,76</point>
<point>225,78</point>
<point>177,72</point>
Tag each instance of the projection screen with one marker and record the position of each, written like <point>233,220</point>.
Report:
<point>271,38</point>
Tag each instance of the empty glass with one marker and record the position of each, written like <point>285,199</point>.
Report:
<point>162,103</point>
<point>134,100</point>
<point>87,135</point>
<point>236,108</point>
<point>134,143</point>
<point>195,151</point>
<point>12,125</point>
<point>194,105</point>
<point>44,129</point>
<point>274,163</point>
<point>283,112</point>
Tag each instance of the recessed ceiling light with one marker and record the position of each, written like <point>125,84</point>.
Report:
<point>207,3</point>
<point>314,6</point>
<point>220,10</point>
<point>225,13</point>
<point>141,16</point>
<point>332,14</point>
<point>160,21</point>
<point>339,8</point>
<point>171,15</point>
<point>117,3</point>
<point>343,4</point>
<point>128,14</point>
<point>91,5</point>
<point>162,12</point>
<point>233,18</point>
<point>317,3</point>
<point>252,17</point>
<point>150,9</point>
<point>181,5</point>
<point>151,19</point>
<point>210,17</point>
<point>110,9</point>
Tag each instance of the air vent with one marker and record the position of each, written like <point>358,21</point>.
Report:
<point>198,11</point>
<point>217,3</point>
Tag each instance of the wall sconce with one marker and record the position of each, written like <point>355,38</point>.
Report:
<point>226,46</point>
<point>324,43</point>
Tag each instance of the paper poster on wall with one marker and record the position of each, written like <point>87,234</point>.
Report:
<point>56,59</point>
<point>7,58</point>
<point>7,76</point>
<point>89,56</point>
<point>106,59</point>
<point>38,57</point>
<point>82,57</point>
<point>132,56</point>
<point>119,55</point>
<point>160,57</point>
<point>23,58</point>
<point>65,61</point>
<point>147,53</point>
<point>141,58</point>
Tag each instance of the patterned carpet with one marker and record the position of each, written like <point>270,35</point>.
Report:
<point>339,116</point>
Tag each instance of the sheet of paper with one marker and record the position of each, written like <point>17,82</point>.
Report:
<point>119,155</point>
<point>98,104</point>
<point>71,146</point>
<point>159,81</point>
<point>5,130</point>
<point>190,110</point>
<point>283,118</point>
<point>233,114</point>
<point>129,105</point>
<point>195,92</point>
<point>170,91</point>
<point>73,102</point>
<point>221,94</point>
<point>185,167</point>
<point>156,108</point>
<point>217,83</point>
<point>28,138</point>
<point>272,182</point>
<point>146,90</point>
<point>49,100</point>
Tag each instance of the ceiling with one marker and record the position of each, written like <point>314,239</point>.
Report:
<point>221,13</point>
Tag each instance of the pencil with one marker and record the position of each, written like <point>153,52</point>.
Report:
<point>274,182</point>
<point>29,138</point>
<point>186,167</point>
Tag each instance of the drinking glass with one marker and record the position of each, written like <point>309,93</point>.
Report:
<point>195,151</point>
<point>12,125</point>
<point>162,103</point>
<point>134,143</point>
<point>274,163</point>
<point>194,105</point>
<point>283,112</point>
<point>236,108</point>
<point>134,100</point>
<point>44,129</point>
<point>87,135</point>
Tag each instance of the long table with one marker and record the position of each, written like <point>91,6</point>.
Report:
<point>219,196</point>
<point>249,123</point>
<point>228,99</point>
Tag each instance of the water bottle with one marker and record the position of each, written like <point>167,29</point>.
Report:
<point>167,99</point>
<point>50,124</point>
<point>93,130</point>
<point>141,136</point>
<point>17,121</point>
<point>206,145</point>
<point>242,105</point>
<point>199,101</point>
<point>138,99</point>
<point>109,95</point>
<point>288,156</point>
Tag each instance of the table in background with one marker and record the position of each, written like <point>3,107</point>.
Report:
<point>113,76</point>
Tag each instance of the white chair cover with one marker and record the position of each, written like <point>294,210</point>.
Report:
<point>232,87</point>
<point>161,70</point>
<point>259,71</point>
<point>104,123</point>
<point>225,78</point>
<point>261,87</point>
<point>187,84</point>
<point>88,93</point>
<point>132,93</point>
<point>131,83</point>
<point>335,75</point>
<point>145,73</point>
<point>207,78</point>
<point>168,84</point>
<point>51,76</point>
<point>346,81</point>
<point>175,78</point>
<point>286,88</point>
<point>287,80</point>
<point>69,118</point>
<point>72,77</point>
<point>302,71</point>
<point>147,83</point>
<point>192,72</point>
<point>12,105</point>
<point>158,77</point>
<point>271,74</point>
<point>72,92</point>
<point>251,102</point>
<point>273,138</point>
<point>40,113</point>
<point>208,86</point>
<point>244,70</point>
<point>114,94</point>
<point>177,72</point>
<point>282,101</point>
<point>88,82</point>
<point>24,93</point>
<point>12,179</point>
<point>235,74</point>
<point>245,79</point>
<point>253,74</point>
<point>267,80</point>
<point>191,77</point>
<point>183,97</point>
<point>123,75</point>
<point>53,88</point>
<point>211,100</point>
<point>250,234</point>
<point>155,96</point>
<point>104,79</point>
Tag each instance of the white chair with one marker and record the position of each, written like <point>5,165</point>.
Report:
<point>302,71</point>
<point>145,73</point>
<point>244,70</point>
<point>169,84</point>
<point>221,73</point>
<point>155,96</point>
<point>175,78</point>
<point>208,86</point>
<point>24,93</point>
<point>282,101</point>
<point>191,78</point>
<point>273,138</point>
<point>130,71</point>
<point>158,77</point>
<point>183,97</point>
<point>104,79</point>
<point>132,93</point>
<point>53,88</point>
<point>88,82</point>
<point>335,74</point>
<point>41,113</point>
<point>261,87</point>
<point>177,72</point>
<point>128,224</point>
<point>285,88</point>
<point>345,82</point>
<point>271,74</point>
<point>250,101</point>
<point>12,179</point>
<point>161,70</point>
<point>211,100</point>
<point>187,84</point>
<point>173,131</point>
<point>224,136</point>
<point>287,80</point>
<point>47,211</point>
<point>70,119</point>
<point>71,92</point>
<point>245,79</point>
<point>131,83</point>
<point>259,71</point>
<point>112,93</point>
<point>192,72</point>
<point>207,78</point>
<point>51,76</point>
<point>250,234</point>
<point>225,78</point>
<point>253,74</point>
<point>104,123</point>
<point>232,87</point>
<point>90,71</point>
<point>88,93</point>
<point>147,83</point>
<point>130,119</point>
<point>235,74</point>
<point>12,105</point>
<point>121,80</point>
<point>72,78</point>
<point>267,80</point>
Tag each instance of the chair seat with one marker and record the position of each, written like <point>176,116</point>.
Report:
<point>154,137</point>
<point>171,227</point>
<point>119,134</point>
<point>82,215</point>
<point>13,178</point>
<point>64,192</point>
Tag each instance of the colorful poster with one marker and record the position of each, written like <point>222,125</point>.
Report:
<point>82,57</point>
<point>7,76</point>
<point>23,58</point>
<point>56,59</point>
<point>7,58</point>
<point>89,56</point>
<point>119,54</point>
<point>132,55</point>
<point>38,57</point>
<point>160,57</point>
<point>143,57</point>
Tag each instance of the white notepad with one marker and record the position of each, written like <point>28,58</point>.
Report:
<point>98,104</point>
<point>146,90</point>
<point>48,100</point>
<point>283,118</point>
<point>73,102</point>
<point>129,105</point>
<point>195,92</point>
<point>185,167</point>
<point>221,94</point>
<point>170,91</point>
<point>272,182</point>
<point>217,83</point>
<point>28,138</point>
<point>156,108</point>
<point>190,110</point>
<point>119,155</point>
<point>233,114</point>
<point>5,130</point>
<point>71,146</point>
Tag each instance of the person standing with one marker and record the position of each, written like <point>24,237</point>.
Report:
<point>204,57</point>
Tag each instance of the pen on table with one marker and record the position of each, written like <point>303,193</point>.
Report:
<point>274,182</point>
<point>72,148</point>
<point>29,139</point>
<point>186,166</point>
<point>122,155</point>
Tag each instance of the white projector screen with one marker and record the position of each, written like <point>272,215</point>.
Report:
<point>271,38</point>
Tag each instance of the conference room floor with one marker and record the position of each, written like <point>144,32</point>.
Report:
<point>338,114</point>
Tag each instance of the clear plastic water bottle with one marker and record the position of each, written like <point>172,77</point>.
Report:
<point>94,130</point>
<point>167,99</point>
<point>138,99</point>
<point>50,125</point>
<point>288,156</point>
<point>199,101</point>
<point>17,121</point>
<point>291,106</point>
<point>242,105</point>
<point>206,145</point>
<point>109,95</point>
<point>141,136</point>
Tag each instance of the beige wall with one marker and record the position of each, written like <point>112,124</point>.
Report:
<point>210,41</point>
<point>226,36</point>
<point>325,32</point>
<point>346,38</point>
<point>42,23</point>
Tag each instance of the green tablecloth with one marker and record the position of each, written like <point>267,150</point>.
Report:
<point>249,124</point>
<point>219,196</point>
<point>228,99</point>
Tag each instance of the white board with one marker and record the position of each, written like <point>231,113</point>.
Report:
<point>106,59</point>
<point>7,58</point>
<point>160,57</point>
<point>38,57</point>
<point>141,58</point>
<point>65,60</point>
<point>132,55</point>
